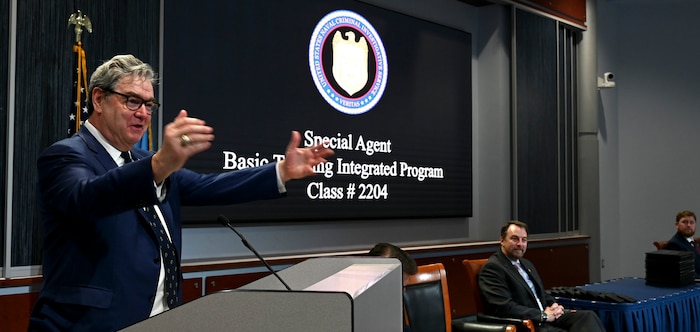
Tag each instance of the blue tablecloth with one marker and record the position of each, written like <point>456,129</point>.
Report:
<point>656,309</point>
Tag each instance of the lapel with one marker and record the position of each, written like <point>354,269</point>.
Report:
<point>94,146</point>
<point>687,243</point>
<point>513,271</point>
<point>108,163</point>
<point>529,268</point>
<point>684,241</point>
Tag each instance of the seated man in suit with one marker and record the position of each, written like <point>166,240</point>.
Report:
<point>684,240</point>
<point>511,287</point>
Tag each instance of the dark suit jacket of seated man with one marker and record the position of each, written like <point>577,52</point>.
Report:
<point>506,293</point>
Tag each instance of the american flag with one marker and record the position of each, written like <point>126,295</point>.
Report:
<point>79,110</point>
<point>146,141</point>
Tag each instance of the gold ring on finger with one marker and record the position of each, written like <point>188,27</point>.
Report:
<point>185,140</point>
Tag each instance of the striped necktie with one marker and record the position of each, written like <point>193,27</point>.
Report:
<point>170,261</point>
<point>167,250</point>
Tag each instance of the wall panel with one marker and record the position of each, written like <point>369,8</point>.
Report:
<point>536,122</point>
<point>4,85</point>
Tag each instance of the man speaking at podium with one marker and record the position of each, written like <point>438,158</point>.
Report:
<point>111,212</point>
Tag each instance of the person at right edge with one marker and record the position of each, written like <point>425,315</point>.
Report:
<point>510,287</point>
<point>683,239</point>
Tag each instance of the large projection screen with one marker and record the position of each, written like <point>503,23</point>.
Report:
<point>389,92</point>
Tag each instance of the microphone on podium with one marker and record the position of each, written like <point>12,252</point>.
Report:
<point>223,220</point>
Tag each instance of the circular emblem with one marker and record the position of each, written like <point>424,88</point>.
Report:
<point>348,62</point>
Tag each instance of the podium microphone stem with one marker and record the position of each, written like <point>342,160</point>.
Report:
<point>227,223</point>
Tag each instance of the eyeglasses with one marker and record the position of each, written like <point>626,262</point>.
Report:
<point>134,103</point>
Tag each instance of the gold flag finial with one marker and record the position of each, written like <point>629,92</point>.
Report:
<point>80,20</point>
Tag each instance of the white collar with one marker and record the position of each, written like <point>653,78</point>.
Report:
<point>112,151</point>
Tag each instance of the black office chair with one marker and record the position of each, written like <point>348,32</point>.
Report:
<point>427,304</point>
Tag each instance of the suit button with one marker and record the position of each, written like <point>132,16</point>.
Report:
<point>156,261</point>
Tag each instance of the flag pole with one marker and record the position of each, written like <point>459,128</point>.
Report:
<point>81,22</point>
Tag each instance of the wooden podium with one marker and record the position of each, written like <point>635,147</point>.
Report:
<point>328,294</point>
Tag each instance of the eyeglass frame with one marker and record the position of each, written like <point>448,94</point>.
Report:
<point>149,110</point>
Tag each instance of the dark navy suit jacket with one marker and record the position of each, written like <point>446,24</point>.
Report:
<point>506,294</point>
<point>101,261</point>
<point>680,243</point>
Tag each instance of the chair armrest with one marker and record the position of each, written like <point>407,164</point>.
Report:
<point>523,325</point>
<point>473,326</point>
